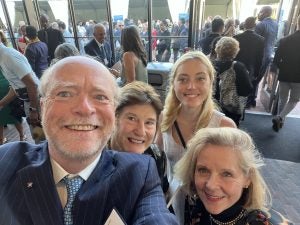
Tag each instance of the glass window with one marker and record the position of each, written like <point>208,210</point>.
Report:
<point>18,21</point>
<point>169,29</point>
<point>59,17</point>
<point>126,13</point>
<point>87,14</point>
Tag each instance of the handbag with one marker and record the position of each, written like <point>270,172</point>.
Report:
<point>277,218</point>
<point>17,108</point>
<point>160,160</point>
<point>22,94</point>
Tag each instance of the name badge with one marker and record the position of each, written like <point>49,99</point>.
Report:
<point>114,219</point>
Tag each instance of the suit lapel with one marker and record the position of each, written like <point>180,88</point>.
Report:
<point>107,51</point>
<point>91,205</point>
<point>97,49</point>
<point>39,189</point>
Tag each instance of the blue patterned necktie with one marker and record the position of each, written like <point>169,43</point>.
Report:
<point>73,185</point>
<point>103,51</point>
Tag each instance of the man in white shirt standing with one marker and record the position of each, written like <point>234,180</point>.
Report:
<point>22,79</point>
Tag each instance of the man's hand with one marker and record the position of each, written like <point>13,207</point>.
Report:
<point>34,118</point>
<point>11,95</point>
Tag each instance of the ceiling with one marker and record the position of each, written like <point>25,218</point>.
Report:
<point>217,2</point>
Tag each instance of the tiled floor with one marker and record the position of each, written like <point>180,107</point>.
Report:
<point>282,177</point>
<point>283,181</point>
<point>261,109</point>
<point>11,133</point>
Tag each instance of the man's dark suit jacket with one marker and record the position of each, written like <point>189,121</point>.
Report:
<point>251,52</point>
<point>92,49</point>
<point>52,38</point>
<point>287,58</point>
<point>127,182</point>
<point>206,43</point>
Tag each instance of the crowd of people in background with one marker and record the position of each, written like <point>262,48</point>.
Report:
<point>127,56</point>
<point>208,91</point>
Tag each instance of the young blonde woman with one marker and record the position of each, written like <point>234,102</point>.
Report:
<point>189,106</point>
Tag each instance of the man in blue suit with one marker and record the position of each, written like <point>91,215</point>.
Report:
<point>78,100</point>
<point>99,47</point>
<point>267,28</point>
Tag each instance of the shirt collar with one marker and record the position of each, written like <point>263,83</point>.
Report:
<point>59,173</point>
<point>100,44</point>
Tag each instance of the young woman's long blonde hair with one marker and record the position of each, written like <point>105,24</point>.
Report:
<point>172,104</point>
